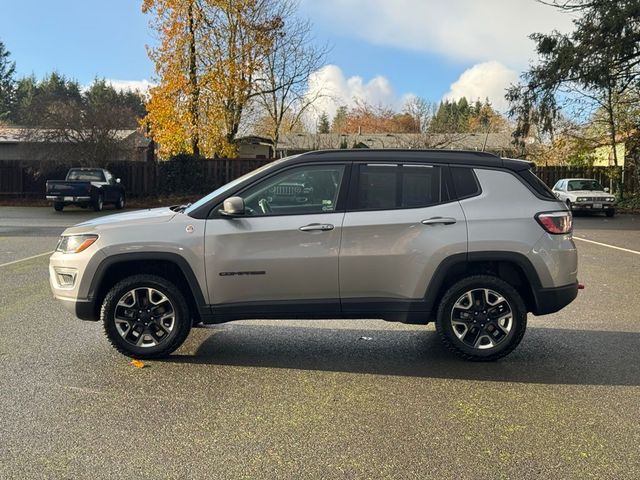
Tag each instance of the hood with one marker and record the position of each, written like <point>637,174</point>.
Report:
<point>139,217</point>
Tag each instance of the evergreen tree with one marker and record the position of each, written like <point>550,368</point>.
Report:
<point>7,83</point>
<point>340,119</point>
<point>42,103</point>
<point>598,63</point>
<point>324,126</point>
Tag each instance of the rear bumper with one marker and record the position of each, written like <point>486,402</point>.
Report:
<point>551,300</point>
<point>68,199</point>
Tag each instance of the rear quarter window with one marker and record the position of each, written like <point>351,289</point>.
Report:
<point>538,186</point>
<point>465,182</point>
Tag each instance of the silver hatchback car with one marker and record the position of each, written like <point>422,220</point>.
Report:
<point>466,239</point>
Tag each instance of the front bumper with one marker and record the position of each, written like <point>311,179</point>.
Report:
<point>68,199</point>
<point>75,296</point>
<point>592,207</point>
<point>83,309</point>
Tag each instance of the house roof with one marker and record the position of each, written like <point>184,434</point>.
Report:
<point>456,141</point>
<point>34,135</point>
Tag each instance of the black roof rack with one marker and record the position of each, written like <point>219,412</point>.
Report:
<point>454,157</point>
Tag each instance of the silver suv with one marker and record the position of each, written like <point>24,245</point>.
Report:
<point>469,240</point>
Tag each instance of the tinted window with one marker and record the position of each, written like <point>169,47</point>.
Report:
<point>465,182</point>
<point>420,186</point>
<point>378,187</point>
<point>537,185</point>
<point>305,189</point>
<point>384,187</point>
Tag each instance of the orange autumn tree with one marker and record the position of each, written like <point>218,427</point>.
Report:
<point>209,63</point>
<point>173,105</point>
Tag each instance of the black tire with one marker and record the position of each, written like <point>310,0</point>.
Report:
<point>610,213</point>
<point>506,344</point>
<point>98,203</point>
<point>569,205</point>
<point>113,329</point>
<point>58,206</point>
<point>121,202</point>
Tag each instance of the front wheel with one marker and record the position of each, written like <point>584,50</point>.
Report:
<point>58,206</point>
<point>481,318</point>
<point>145,316</point>
<point>610,213</point>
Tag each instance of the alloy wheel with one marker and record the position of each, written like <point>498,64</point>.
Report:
<point>481,318</point>
<point>144,317</point>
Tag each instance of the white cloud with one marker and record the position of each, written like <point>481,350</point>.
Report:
<point>142,86</point>
<point>335,90</point>
<point>488,79</point>
<point>462,30</point>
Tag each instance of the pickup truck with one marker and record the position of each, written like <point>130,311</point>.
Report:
<point>86,187</point>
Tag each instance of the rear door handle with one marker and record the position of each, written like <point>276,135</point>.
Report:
<point>316,227</point>
<point>439,221</point>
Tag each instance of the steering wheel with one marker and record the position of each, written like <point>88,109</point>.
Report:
<point>264,206</point>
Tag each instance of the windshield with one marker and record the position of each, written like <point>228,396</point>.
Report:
<point>590,185</point>
<point>86,175</point>
<point>231,185</point>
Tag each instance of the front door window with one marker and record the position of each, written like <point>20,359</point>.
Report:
<point>308,189</point>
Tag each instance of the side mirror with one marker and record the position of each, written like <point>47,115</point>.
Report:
<point>606,189</point>
<point>233,207</point>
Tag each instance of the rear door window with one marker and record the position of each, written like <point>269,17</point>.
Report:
<point>377,187</point>
<point>394,186</point>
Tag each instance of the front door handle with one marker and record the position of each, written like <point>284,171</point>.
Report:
<point>439,221</point>
<point>316,227</point>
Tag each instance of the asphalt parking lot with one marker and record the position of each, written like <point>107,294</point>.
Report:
<point>296,399</point>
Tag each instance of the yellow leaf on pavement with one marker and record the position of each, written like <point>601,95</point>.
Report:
<point>137,363</point>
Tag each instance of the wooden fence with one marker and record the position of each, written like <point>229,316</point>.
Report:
<point>605,175</point>
<point>27,179</point>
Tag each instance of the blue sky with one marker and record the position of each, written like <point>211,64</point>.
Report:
<point>82,39</point>
<point>381,50</point>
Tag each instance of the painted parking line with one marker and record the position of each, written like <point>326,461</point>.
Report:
<point>607,245</point>
<point>25,259</point>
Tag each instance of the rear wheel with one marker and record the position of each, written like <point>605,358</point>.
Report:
<point>58,206</point>
<point>98,203</point>
<point>121,202</point>
<point>481,318</point>
<point>145,316</point>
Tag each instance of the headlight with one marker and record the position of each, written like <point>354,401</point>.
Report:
<point>611,199</point>
<point>75,243</point>
<point>581,199</point>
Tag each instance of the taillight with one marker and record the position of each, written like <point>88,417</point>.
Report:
<point>557,223</point>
